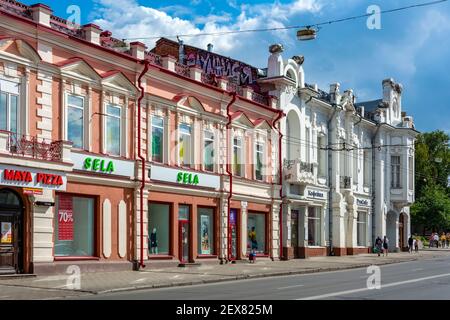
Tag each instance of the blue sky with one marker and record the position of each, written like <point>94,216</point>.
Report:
<point>412,46</point>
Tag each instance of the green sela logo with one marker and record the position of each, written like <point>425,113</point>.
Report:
<point>98,165</point>
<point>187,178</point>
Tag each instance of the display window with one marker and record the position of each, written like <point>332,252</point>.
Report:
<point>205,227</point>
<point>256,233</point>
<point>74,226</point>
<point>361,228</point>
<point>314,226</point>
<point>159,228</point>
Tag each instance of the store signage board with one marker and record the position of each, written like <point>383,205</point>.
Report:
<point>363,202</point>
<point>32,178</point>
<point>315,194</point>
<point>33,191</point>
<point>102,165</point>
<point>183,177</point>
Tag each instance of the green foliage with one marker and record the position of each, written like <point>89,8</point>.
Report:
<point>432,166</point>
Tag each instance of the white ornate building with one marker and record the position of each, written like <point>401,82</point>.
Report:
<point>348,167</point>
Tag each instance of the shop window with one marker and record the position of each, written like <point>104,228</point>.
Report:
<point>237,156</point>
<point>158,228</point>
<point>256,230</point>
<point>185,145</point>
<point>75,120</point>
<point>74,226</point>
<point>113,129</point>
<point>361,228</point>
<point>157,139</point>
<point>395,172</point>
<point>9,106</point>
<point>208,150</point>
<point>259,161</point>
<point>205,227</point>
<point>314,226</point>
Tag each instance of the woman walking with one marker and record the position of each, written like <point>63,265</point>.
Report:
<point>385,245</point>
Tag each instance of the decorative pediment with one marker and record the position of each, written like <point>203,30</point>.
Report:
<point>19,49</point>
<point>262,125</point>
<point>116,80</point>
<point>241,118</point>
<point>191,102</point>
<point>79,69</point>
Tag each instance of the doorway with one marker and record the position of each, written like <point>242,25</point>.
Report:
<point>401,229</point>
<point>184,234</point>
<point>11,225</point>
<point>294,232</point>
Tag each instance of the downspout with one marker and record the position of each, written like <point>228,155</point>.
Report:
<point>330,207</point>
<point>280,178</point>
<point>373,184</point>
<point>141,189</point>
<point>230,175</point>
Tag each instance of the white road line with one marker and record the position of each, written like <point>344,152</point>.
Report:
<point>289,287</point>
<point>417,269</point>
<point>328,295</point>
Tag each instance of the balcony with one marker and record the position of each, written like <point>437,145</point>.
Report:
<point>346,183</point>
<point>34,147</point>
<point>298,172</point>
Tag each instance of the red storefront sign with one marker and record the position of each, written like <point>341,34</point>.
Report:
<point>65,218</point>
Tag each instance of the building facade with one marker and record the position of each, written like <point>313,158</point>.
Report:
<point>348,171</point>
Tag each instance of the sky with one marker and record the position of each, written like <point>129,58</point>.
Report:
<point>412,46</point>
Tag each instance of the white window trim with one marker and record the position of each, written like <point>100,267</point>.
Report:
<point>203,148</point>
<point>85,138</point>
<point>105,109</point>
<point>21,110</point>
<point>264,158</point>
<point>240,136</point>
<point>150,144</point>
<point>366,223</point>
<point>192,142</point>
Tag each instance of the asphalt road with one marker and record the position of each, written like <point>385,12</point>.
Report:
<point>421,280</point>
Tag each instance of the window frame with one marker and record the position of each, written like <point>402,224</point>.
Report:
<point>120,118</point>
<point>162,140</point>
<point>205,139</point>
<point>66,120</point>
<point>171,219</point>
<point>9,95</point>
<point>318,219</point>
<point>262,152</point>
<point>396,177</point>
<point>358,224</point>
<point>240,152</point>
<point>191,145</point>
<point>214,248</point>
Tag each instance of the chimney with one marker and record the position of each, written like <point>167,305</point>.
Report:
<point>92,33</point>
<point>388,89</point>
<point>138,50</point>
<point>334,92</point>
<point>41,13</point>
<point>210,47</point>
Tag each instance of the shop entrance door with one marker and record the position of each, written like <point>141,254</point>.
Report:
<point>183,235</point>
<point>294,232</point>
<point>11,248</point>
<point>401,222</point>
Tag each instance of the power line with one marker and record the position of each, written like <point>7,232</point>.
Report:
<point>316,25</point>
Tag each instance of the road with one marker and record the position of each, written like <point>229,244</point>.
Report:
<point>421,280</point>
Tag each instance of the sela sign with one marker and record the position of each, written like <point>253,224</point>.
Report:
<point>183,177</point>
<point>363,202</point>
<point>31,178</point>
<point>315,194</point>
<point>103,165</point>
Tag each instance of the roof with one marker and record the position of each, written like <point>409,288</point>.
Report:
<point>370,106</point>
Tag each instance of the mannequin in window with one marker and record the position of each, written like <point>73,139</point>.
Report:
<point>153,242</point>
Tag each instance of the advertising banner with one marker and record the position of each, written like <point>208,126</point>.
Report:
<point>65,218</point>
<point>6,230</point>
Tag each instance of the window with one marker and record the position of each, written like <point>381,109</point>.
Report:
<point>355,166</point>
<point>256,231</point>
<point>307,145</point>
<point>361,229</point>
<point>158,228</point>
<point>74,226</point>
<point>259,161</point>
<point>237,156</point>
<point>205,227</point>
<point>411,172</point>
<point>157,139</point>
<point>208,151</point>
<point>185,144</point>
<point>75,120</point>
<point>9,106</point>
<point>366,168</point>
<point>395,172</point>
<point>113,129</point>
<point>321,156</point>
<point>314,226</point>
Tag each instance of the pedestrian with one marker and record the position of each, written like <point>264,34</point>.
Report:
<point>430,240</point>
<point>448,239</point>
<point>378,245</point>
<point>410,244</point>
<point>436,239</point>
<point>443,240</point>
<point>386,245</point>
<point>416,245</point>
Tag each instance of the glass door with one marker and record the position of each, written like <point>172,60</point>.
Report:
<point>233,234</point>
<point>294,231</point>
<point>184,242</point>
<point>9,242</point>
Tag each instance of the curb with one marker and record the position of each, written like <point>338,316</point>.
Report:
<point>249,277</point>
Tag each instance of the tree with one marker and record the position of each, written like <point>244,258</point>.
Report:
<point>432,168</point>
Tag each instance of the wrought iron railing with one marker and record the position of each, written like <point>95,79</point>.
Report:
<point>34,147</point>
<point>260,98</point>
<point>16,8</point>
<point>209,79</point>
<point>182,70</point>
<point>306,167</point>
<point>346,182</point>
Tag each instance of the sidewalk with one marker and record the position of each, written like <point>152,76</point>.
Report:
<point>42,287</point>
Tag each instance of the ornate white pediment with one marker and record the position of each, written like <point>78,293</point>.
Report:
<point>21,50</point>
<point>117,81</point>
<point>79,69</point>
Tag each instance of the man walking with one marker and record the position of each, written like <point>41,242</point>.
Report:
<point>410,244</point>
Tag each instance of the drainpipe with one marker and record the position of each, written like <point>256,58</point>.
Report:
<point>141,196</point>
<point>373,184</point>
<point>280,164</point>
<point>330,207</point>
<point>230,175</point>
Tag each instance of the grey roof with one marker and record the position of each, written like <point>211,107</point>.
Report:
<point>370,106</point>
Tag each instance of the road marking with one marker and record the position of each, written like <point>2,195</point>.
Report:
<point>328,295</point>
<point>289,287</point>
<point>417,269</point>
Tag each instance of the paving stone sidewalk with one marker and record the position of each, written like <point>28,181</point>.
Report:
<point>51,287</point>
